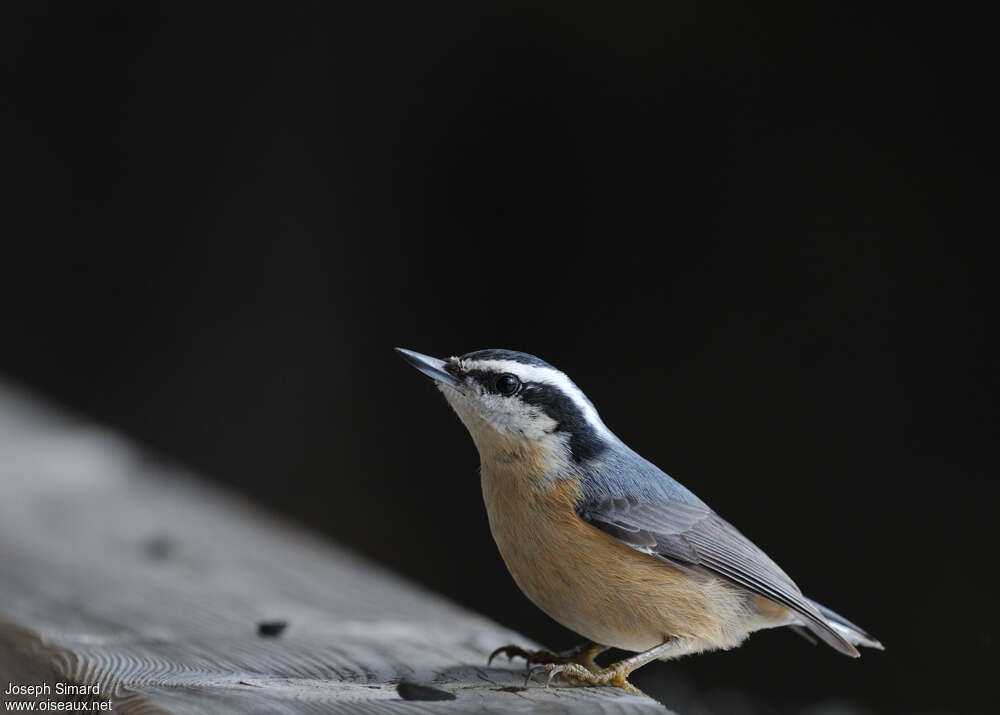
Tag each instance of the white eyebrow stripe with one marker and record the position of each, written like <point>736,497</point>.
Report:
<point>549,375</point>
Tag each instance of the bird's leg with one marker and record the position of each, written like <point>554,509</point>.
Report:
<point>582,655</point>
<point>615,674</point>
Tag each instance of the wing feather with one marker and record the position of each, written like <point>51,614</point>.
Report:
<point>688,533</point>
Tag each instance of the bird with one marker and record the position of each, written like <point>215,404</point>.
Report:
<point>602,540</point>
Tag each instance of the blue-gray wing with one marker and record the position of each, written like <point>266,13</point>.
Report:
<point>693,535</point>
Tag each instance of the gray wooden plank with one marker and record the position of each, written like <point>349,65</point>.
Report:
<point>118,570</point>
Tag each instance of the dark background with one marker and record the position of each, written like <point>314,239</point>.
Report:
<point>756,238</point>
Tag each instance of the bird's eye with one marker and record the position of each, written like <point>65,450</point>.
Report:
<point>508,384</point>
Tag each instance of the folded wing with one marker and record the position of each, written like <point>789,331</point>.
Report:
<point>691,534</point>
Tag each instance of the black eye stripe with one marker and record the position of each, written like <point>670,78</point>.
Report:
<point>504,383</point>
<point>584,441</point>
<point>488,379</point>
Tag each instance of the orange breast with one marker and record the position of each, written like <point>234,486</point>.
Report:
<point>589,581</point>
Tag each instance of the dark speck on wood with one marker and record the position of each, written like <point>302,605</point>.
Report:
<point>416,691</point>
<point>271,629</point>
<point>158,548</point>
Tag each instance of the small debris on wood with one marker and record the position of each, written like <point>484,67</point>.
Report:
<point>158,548</point>
<point>271,629</point>
<point>417,691</point>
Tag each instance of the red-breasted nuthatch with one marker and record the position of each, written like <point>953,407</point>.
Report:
<point>602,540</point>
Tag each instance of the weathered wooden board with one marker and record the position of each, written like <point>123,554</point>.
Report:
<point>118,571</point>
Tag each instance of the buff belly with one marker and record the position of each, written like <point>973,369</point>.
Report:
<point>603,590</point>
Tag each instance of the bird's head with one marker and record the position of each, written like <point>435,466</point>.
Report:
<point>514,404</point>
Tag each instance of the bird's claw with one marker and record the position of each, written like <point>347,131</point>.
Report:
<point>582,655</point>
<point>510,651</point>
<point>571,672</point>
<point>538,669</point>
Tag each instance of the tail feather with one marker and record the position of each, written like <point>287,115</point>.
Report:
<point>847,630</point>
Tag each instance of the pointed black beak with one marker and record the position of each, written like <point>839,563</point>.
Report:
<point>432,367</point>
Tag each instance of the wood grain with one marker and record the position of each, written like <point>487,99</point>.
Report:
<point>118,570</point>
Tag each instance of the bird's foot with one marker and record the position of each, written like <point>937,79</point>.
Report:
<point>614,675</point>
<point>581,656</point>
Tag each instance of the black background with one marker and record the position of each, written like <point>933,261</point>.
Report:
<point>757,239</point>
